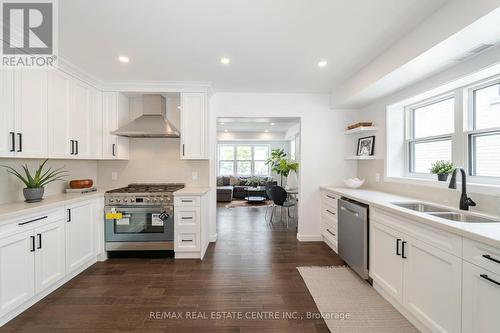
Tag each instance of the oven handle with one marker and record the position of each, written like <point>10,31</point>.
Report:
<point>158,210</point>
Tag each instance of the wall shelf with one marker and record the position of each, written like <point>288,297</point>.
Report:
<point>362,129</point>
<point>354,157</point>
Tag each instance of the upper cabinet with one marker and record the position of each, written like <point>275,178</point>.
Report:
<point>23,101</point>
<point>194,131</point>
<point>115,114</point>
<point>75,118</point>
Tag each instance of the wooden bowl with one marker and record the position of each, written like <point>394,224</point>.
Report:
<point>81,183</point>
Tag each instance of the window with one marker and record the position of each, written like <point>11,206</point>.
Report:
<point>243,160</point>
<point>484,137</point>
<point>430,126</point>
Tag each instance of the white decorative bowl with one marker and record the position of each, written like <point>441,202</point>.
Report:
<point>354,182</point>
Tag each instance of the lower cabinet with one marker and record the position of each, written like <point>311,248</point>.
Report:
<point>79,235</point>
<point>424,280</point>
<point>17,270</point>
<point>481,300</point>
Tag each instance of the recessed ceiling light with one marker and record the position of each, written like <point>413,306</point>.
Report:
<point>225,61</point>
<point>322,63</point>
<point>272,124</point>
<point>124,59</point>
<point>225,131</point>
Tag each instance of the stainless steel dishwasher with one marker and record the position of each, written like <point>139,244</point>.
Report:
<point>353,235</point>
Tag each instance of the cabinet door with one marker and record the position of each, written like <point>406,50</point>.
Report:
<point>193,126</point>
<point>95,131</point>
<point>50,259</point>
<point>110,122</point>
<point>31,113</point>
<point>17,271</point>
<point>386,264</point>
<point>432,286</point>
<point>7,127</point>
<point>80,119</point>
<point>79,235</point>
<point>481,300</point>
<point>123,117</point>
<point>59,125</point>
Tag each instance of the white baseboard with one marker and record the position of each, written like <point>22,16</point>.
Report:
<point>309,238</point>
<point>187,255</point>
<point>212,238</point>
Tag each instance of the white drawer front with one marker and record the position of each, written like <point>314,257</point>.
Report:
<point>331,236</point>
<point>443,240</point>
<point>330,199</point>
<point>330,212</point>
<point>187,217</point>
<point>31,221</point>
<point>330,221</point>
<point>187,241</point>
<point>482,255</point>
<point>187,201</point>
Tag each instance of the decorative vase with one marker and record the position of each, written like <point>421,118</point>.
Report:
<point>33,194</point>
<point>291,180</point>
<point>443,177</point>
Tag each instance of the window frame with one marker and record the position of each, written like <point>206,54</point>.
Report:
<point>410,139</point>
<point>235,159</point>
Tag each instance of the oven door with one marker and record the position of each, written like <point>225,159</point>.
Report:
<point>140,224</point>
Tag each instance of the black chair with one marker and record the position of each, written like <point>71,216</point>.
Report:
<point>279,197</point>
<point>269,196</point>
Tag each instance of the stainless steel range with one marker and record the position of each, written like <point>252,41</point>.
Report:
<point>140,217</point>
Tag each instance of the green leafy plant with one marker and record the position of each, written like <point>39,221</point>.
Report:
<point>280,164</point>
<point>442,167</point>
<point>40,178</point>
<point>253,181</point>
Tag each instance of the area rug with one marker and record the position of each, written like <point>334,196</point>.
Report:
<point>350,304</point>
<point>244,203</point>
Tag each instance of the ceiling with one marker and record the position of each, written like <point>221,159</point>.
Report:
<point>254,125</point>
<point>274,46</point>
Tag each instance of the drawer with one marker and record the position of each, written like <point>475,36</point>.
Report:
<point>330,199</point>
<point>187,201</point>
<point>328,220</point>
<point>329,211</point>
<point>331,237</point>
<point>187,217</point>
<point>482,255</point>
<point>186,241</point>
<point>31,221</point>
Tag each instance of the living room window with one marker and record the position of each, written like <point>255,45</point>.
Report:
<point>243,160</point>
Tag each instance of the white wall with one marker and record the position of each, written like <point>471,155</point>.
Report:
<point>322,145</point>
<point>11,188</point>
<point>488,203</point>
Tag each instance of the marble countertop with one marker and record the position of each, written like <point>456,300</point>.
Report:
<point>488,233</point>
<point>15,209</point>
<point>192,191</point>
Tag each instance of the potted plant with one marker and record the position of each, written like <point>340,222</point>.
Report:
<point>35,182</point>
<point>282,166</point>
<point>253,181</point>
<point>442,169</point>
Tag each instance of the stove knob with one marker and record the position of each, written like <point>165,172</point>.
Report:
<point>147,199</point>
<point>154,200</point>
<point>161,199</point>
<point>125,200</point>
<point>118,200</point>
<point>111,200</point>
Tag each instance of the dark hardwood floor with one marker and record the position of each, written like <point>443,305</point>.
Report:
<point>251,269</point>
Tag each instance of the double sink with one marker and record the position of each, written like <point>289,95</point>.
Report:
<point>444,213</point>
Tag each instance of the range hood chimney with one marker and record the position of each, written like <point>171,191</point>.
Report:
<point>153,122</point>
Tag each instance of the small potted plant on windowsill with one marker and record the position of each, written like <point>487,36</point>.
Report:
<point>442,169</point>
<point>35,183</point>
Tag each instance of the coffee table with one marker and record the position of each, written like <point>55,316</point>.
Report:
<point>255,194</point>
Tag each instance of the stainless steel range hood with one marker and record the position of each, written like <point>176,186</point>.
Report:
<point>153,122</point>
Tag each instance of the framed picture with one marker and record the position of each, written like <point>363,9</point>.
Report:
<point>366,146</point>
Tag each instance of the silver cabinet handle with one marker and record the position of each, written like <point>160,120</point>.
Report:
<point>329,196</point>
<point>349,210</point>
<point>329,211</point>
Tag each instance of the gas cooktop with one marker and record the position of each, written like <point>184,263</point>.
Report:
<point>142,195</point>
<point>148,188</point>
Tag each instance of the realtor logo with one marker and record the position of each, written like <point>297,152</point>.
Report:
<point>29,33</point>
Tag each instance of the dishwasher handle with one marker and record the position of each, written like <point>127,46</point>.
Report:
<point>349,211</point>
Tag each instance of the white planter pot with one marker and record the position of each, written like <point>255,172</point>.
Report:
<point>292,181</point>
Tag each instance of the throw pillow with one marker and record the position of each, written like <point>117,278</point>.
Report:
<point>225,180</point>
<point>234,181</point>
<point>220,181</point>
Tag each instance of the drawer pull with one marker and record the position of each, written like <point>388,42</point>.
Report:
<point>331,233</point>
<point>403,252</point>
<point>486,277</point>
<point>487,256</point>
<point>187,240</point>
<point>329,196</point>
<point>32,243</point>
<point>187,218</point>
<point>186,200</point>
<point>398,241</point>
<point>329,211</point>
<point>38,219</point>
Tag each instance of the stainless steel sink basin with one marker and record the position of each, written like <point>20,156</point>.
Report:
<point>460,217</point>
<point>420,207</point>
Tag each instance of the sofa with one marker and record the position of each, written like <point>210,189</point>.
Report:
<point>230,187</point>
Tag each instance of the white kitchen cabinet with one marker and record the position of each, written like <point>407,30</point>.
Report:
<point>386,266</point>
<point>50,255</point>
<point>30,105</point>
<point>7,125</point>
<point>79,235</point>
<point>59,114</point>
<point>115,114</point>
<point>432,286</point>
<point>17,270</point>
<point>95,130</point>
<point>329,219</point>
<point>194,133</point>
<point>481,300</point>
